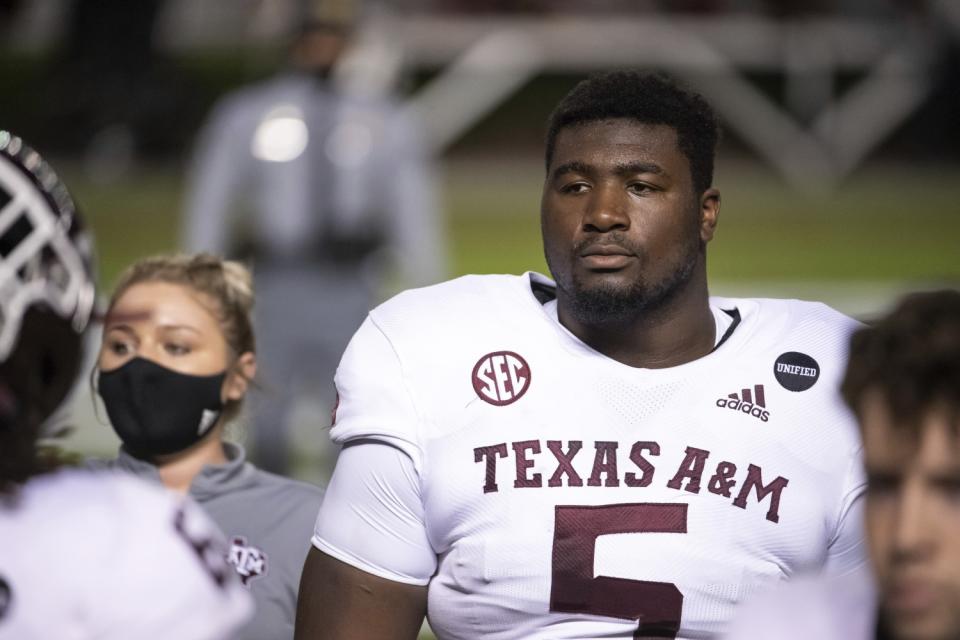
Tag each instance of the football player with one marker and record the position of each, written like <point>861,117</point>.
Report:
<point>611,453</point>
<point>903,383</point>
<point>84,554</point>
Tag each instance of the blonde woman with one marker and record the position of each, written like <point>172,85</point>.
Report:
<point>177,358</point>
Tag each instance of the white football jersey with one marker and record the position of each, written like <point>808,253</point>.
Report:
<point>820,607</point>
<point>104,555</point>
<point>567,495</point>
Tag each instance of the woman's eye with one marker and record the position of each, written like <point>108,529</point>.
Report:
<point>176,349</point>
<point>119,348</point>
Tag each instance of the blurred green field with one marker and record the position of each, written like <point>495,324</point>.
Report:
<point>887,224</point>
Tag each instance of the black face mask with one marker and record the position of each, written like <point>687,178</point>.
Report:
<point>157,411</point>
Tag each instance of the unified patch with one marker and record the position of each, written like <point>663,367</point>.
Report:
<point>796,371</point>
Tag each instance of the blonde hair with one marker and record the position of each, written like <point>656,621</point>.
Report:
<point>227,283</point>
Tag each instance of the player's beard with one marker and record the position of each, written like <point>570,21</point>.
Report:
<point>608,304</point>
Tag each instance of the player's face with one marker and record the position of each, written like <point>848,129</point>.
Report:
<point>623,229</point>
<point>913,522</point>
<point>169,324</point>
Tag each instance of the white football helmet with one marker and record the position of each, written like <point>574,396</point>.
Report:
<point>46,255</point>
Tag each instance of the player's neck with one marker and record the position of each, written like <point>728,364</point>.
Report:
<point>681,331</point>
<point>178,470</point>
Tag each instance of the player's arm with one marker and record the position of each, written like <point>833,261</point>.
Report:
<point>367,575</point>
<point>341,601</point>
<point>846,551</point>
<point>371,560</point>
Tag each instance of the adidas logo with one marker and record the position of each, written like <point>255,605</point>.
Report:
<point>749,401</point>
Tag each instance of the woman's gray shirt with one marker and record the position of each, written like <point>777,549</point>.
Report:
<point>267,521</point>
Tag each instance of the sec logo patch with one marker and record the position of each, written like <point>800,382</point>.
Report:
<point>501,378</point>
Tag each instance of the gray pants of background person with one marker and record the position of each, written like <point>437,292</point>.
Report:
<point>305,316</point>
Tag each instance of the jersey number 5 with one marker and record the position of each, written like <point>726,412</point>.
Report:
<point>655,605</point>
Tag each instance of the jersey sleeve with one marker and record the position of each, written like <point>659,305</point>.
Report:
<point>372,516</point>
<point>847,549</point>
<point>374,399</point>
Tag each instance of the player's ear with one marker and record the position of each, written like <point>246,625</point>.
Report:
<point>709,213</point>
<point>240,376</point>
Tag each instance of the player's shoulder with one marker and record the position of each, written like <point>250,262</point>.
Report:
<point>398,373</point>
<point>807,312</point>
<point>83,490</point>
<point>98,530</point>
<point>103,508</point>
<point>781,320</point>
<point>98,507</point>
<point>790,311</point>
<point>465,299</point>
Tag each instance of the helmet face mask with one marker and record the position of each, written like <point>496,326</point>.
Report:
<point>46,285</point>
<point>45,254</point>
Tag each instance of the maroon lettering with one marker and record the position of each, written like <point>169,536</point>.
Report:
<point>656,606</point>
<point>565,463</point>
<point>502,377</point>
<point>490,455</point>
<point>646,469</point>
<point>605,462</point>
<point>774,489</point>
<point>723,481</point>
<point>692,469</point>
<point>524,463</point>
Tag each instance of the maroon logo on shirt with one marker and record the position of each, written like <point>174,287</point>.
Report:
<point>249,561</point>
<point>501,377</point>
<point>751,402</point>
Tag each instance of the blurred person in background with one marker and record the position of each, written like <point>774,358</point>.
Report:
<point>324,188</point>
<point>85,555</point>
<point>109,90</point>
<point>903,384</point>
<point>177,358</point>
<point>612,453</point>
